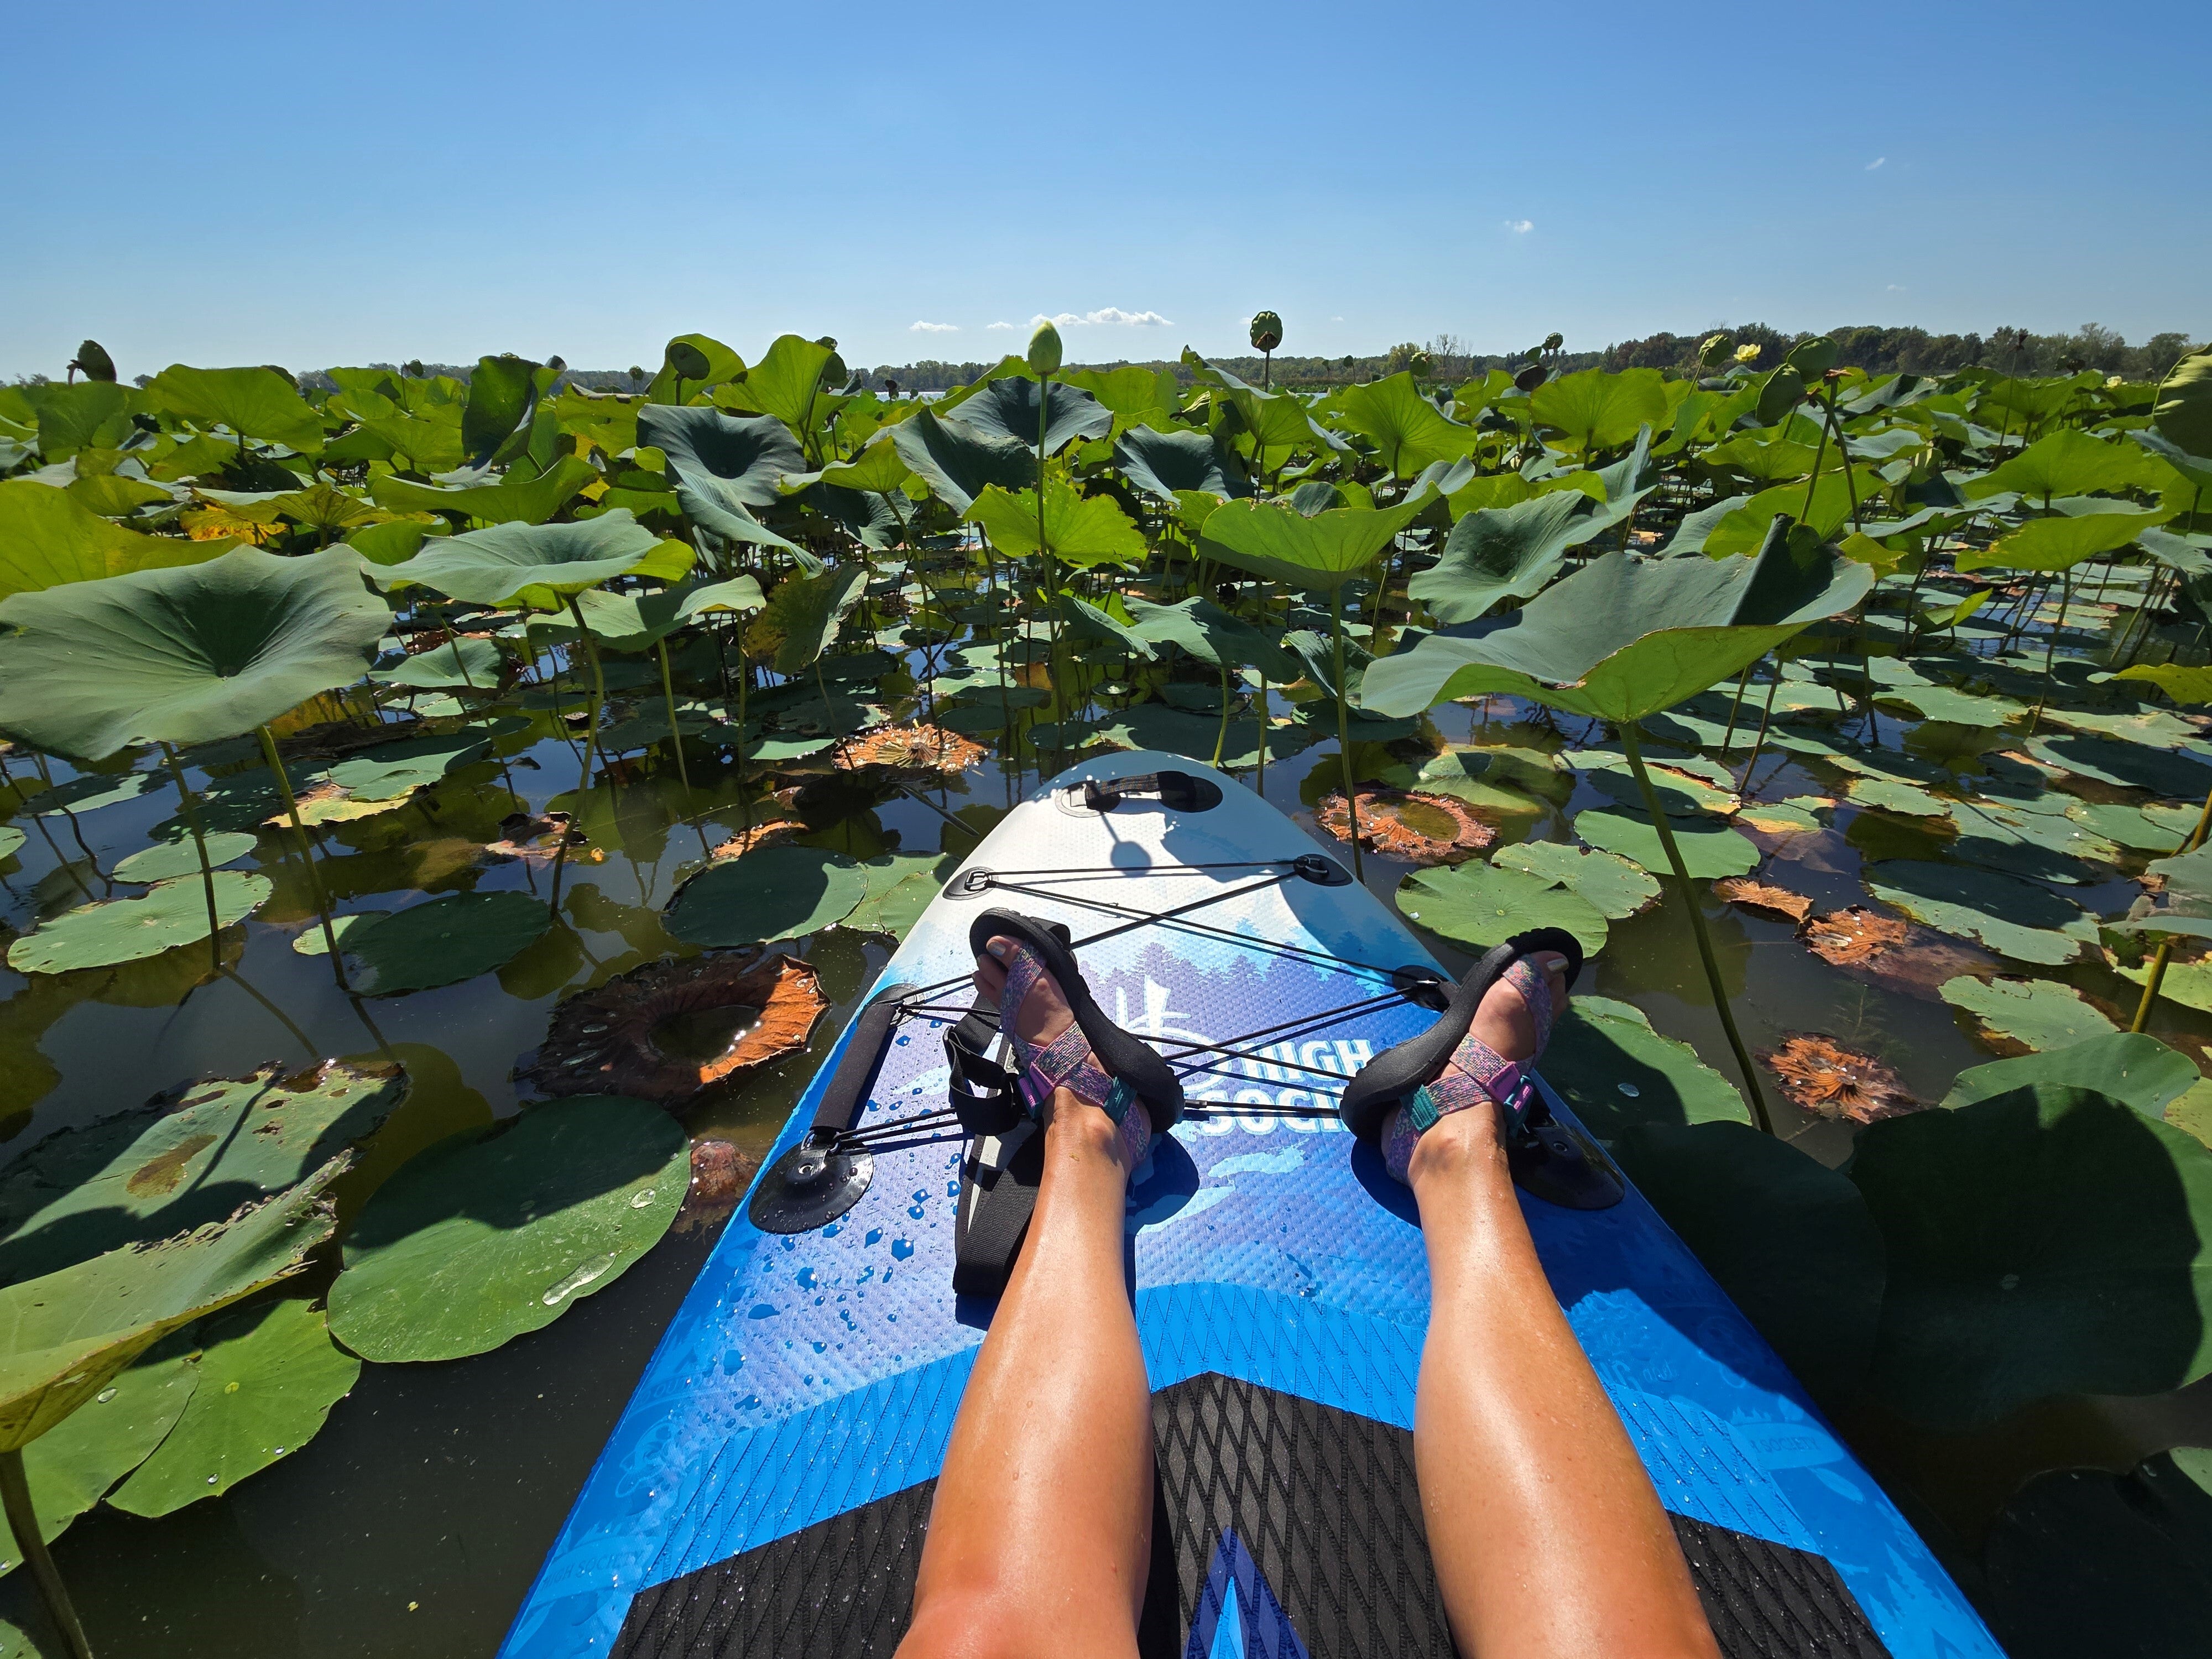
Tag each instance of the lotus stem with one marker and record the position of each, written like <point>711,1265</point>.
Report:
<point>23,1520</point>
<point>1343,730</point>
<point>2050,648</point>
<point>1728,737</point>
<point>306,854</point>
<point>2165,952</point>
<point>676,736</point>
<point>1635,750</point>
<point>1760,742</point>
<point>199,840</point>
<point>591,740</point>
<point>1221,737</point>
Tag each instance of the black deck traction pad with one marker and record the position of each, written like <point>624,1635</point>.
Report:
<point>1322,1502</point>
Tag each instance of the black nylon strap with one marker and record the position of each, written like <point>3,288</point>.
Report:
<point>995,1206</point>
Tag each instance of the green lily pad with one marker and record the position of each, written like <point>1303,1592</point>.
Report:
<point>1608,1064</point>
<point>769,893</point>
<point>1679,796</point>
<point>1615,887</point>
<point>445,941</point>
<point>268,1378</point>
<point>2129,826</point>
<point>11,841</point>
<point>310,942</point>
<point>901,886</point>
<point>2131,765</point>
<point>169,913</point>
<point>2044,1241</point>
<point>182,857</point>
<point>1891,795</point>
<point>1471,776</point>
<point>394,769</point>
<point>2017,919</point>
<point>2040,1012</point>
<point>181,1161</point>
<point>1479,905</point>
<point>496,1232</point>
<point>1709,849</point>
<point>71,1332</point>
<point>72,1466</point>
<point>2137,1070</point>
<point>1790,1240</point>
<point>184,655</point>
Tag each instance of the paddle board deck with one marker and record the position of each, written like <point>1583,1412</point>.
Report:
<point>766,1489</point>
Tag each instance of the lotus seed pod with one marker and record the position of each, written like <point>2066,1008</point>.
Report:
<point>412,368</point>
<point>1044,349</point>
<point>1553,342</point>
<point>1531,377</point>
<point>558,364</point>
<point>93,362</point>
<point>686,361</point>
<point>636,372</point>
<point>1266,331</point>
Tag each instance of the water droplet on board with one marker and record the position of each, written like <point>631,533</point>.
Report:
<point>2009,1282</point>
<point>576,1280</point>
<point>901,1249</point>
<point>1628,1088</point>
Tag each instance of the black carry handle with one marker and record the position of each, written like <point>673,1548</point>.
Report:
<point>1179,791</point>
<point>847,1093</point>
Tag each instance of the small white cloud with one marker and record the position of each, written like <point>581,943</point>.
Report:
<point>997,325</point>
<point>1110,316</point>
<point>933,328</point>
<point>1336,319</point>
<point>1520,227</point>
<point>1897,288</point>
<point>1876,162</point>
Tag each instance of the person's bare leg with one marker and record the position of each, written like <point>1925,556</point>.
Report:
<point>1040,1529</point>
<point>1547,1536</point>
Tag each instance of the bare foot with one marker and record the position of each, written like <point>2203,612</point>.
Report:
<point>1504,1024</point>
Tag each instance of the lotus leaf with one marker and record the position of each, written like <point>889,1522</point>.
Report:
<point>2135,766</point>
<point>461,661</point>
<point>1894,795</point>
<point>1709,849</point>
<point>2067,462</point>
<point>112,930</point>
<point>91,414</point>
<point>1083,530</point>
<point>537,565</point>
<point>509,500</point>
<point>268,1378</point>
<point>1215,637</point>
<point>1322,550</point>
<point>181,857</point>
<point>445,941</point>
<point>634,622</point>
<point>1614,1070</point>
<point>2017,919</point>
<point>503,395</point>
<point>1614,888</point>
<point>1007,411</point>
<point>64,1336</point>
<point>1599,410</point>
<point>1166,464</point>
<point>2057,544</point>
<point>724,467</point>
<point>701,360</point>
<point>1408,431</point>
<point>1153,725</point>
<point>787,382</point>
<point>392,769</point>
<point>183,655</point>
<point>1790,1240</point>
<point>257,403</point>
<point>1466,774</point>
<point>1135,394</point>
<point>496,1232</point>
<point>48,539</point>
<point>805,613</point>
<point>395,540</point>
<point>2182,414</point>
<point>71,1466</point>
<point>2128,1067</point>
<point>1625,637</point>
<point>769,893</point>
<point>2039,1012</point>
<point>956,461</point>
<point>1504,552</point>
<point>2126,825</point>
<point>901,886</point>
<point>2044,1241</point>
<point>1480,905</point>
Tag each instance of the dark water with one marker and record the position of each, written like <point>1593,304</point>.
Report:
<point>413,1523</point>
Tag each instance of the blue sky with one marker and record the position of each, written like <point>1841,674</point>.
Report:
<point>318,185</point>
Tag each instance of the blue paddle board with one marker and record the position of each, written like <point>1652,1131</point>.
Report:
<point>766,1489</point>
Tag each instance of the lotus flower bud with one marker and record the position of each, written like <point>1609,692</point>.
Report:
<point>93,362</point>
<point>1709,352</point>
<point>1044,354</point>
<point>412,368</point>
<point>1419,363</point>
<point>1266,331</point>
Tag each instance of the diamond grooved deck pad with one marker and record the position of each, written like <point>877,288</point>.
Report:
<point>802,1396</point>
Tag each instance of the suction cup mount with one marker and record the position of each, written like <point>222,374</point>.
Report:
<point>1561,1166</point>
<point>811,1185</point>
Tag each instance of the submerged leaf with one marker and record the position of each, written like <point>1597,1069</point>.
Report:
<point>496,1232</point>
<point>771,893</point>
<point>1820,1078</point>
